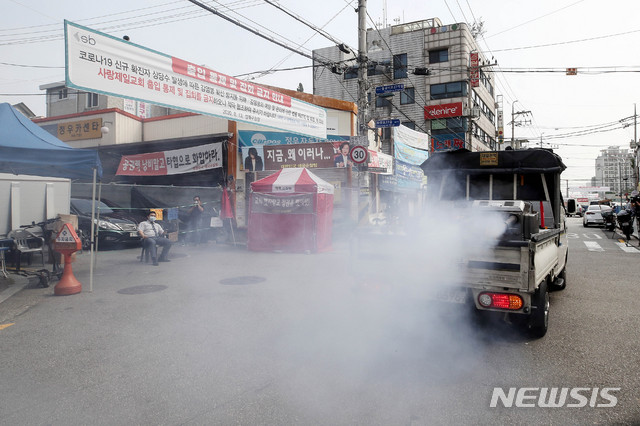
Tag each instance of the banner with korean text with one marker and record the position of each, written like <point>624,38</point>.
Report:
<point>410,137</point>
<point>101,63</point>
<point>174,162</point>
<point>310,155</point>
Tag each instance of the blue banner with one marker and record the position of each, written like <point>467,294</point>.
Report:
<point>251,143</point>
<point>255,138</point>
<point>406,177</point>
<point>408,154</point>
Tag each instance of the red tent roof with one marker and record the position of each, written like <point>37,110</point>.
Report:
<point>291,181</point>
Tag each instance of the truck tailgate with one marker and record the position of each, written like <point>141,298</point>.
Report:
<point>501,267</point>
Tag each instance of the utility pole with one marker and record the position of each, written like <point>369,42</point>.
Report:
<point>636,172</point>
<point>620,181</point>
<point>363,83</point>
<point>513,122</point>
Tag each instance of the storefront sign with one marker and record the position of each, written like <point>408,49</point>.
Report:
<point>488,158</point>
<point>433,112</point>
<point>79,130</point>
<point>447,142</point>
<point>102,63</point>
<point>177,161</point>
<point>380,163</point>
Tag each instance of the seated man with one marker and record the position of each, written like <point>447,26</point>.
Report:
<point>152,236</point>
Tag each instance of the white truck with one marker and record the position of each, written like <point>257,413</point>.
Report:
<point>528,256</point>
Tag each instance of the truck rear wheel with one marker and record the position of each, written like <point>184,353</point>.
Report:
<point>539,318</point>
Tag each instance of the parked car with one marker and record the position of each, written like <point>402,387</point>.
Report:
<point>113,229</point>
<point>593,215</point>
<point>579,210</point>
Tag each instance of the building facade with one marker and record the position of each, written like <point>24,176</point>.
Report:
<point>446,92</point>
<point>614,169</point>
<point>119,128</point>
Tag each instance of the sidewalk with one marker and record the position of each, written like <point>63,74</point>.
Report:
<point>13,284</point>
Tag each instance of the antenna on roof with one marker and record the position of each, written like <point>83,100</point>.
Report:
<point>384,14</point>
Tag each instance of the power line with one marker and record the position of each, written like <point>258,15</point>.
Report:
<point>534,19</point>
<point>567,42</point>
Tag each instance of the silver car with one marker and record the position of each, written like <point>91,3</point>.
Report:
<point>593,215</point>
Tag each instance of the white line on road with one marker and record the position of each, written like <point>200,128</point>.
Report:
<point>593,246</point>
<point>627,248</point>
<point>592,236</point>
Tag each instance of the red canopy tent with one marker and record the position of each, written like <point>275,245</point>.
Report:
<point>290,210</point>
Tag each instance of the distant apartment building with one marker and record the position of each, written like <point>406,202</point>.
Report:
<point>614,170</point>
<point>62,100</point>
<point>448,91</point>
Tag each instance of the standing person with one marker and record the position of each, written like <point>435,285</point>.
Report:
<point>152,236</point>
<point>253,162</point>
<point>195,216</point>
<point>342,159</point>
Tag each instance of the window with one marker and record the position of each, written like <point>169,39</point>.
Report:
<point>407,96</point>
<point>350,73</point>
<point>455,89</point>
<point>378,67</point>
<point>63,93</point>
<point>400,66</point>
<point>409,124</point>
<point>457,125</point>
<point>440,55</point>
<point>92,100</point>
<point>383,101</point>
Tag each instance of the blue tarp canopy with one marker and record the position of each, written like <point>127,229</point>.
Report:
<point>27,149</point>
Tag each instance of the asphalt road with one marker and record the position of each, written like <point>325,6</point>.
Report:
<point>225,336</point>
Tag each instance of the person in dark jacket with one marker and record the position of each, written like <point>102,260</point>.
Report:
<point>253,162</point>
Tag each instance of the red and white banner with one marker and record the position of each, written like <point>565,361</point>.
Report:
<point>174,162</point>
<point>433,112</point>
<point>379,160</point>
<point>474,70</point>
<point>102,63</point>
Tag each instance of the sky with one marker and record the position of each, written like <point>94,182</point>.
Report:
<point>532,42</point>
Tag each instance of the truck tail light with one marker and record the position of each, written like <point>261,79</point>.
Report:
<point>500,301</point>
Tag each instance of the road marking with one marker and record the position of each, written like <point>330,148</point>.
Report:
<point>593,246</point>
<point>3,326</point>
<point>627,248</point>
<point>592,236</point>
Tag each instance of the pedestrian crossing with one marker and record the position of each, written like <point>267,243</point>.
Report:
<point>596,242</point>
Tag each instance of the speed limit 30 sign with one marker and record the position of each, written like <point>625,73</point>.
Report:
<point>358,154</point>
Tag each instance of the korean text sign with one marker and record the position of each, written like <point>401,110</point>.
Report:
<point>176,161</point>
<point>101,63</point>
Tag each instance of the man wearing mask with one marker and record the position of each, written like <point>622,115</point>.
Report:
<point>195,216</point>
<point>152,236</point>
